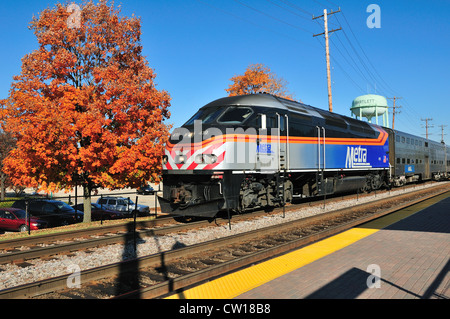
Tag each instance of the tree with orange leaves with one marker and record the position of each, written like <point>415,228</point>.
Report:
<point>258,79</point>
<point>85,109</point>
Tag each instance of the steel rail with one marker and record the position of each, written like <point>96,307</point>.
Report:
<point>57,283</point>
<point>54,249</point>
<point>176,285</point>
<point>64,235</point>
<point>124,227</point>
<point>46,251</point>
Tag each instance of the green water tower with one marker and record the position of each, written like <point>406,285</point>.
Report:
<point>371,107</point>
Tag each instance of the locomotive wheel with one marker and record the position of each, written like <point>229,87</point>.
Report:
<point>185,219</point>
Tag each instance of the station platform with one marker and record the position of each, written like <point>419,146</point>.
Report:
<point>402,255</point>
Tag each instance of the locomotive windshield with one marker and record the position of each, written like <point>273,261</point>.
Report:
<point>235,115</point>
<point>232,115</point>
<point>207,116</point>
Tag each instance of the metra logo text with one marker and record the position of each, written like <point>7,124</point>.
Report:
<point>356,157</point>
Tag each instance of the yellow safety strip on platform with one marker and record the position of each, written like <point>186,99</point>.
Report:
<point>241,281</point>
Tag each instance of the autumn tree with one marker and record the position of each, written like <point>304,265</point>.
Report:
<point>85,109</point>
<point>258,79</point>
<point>7,143</point>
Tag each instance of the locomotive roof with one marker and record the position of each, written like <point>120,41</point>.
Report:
<point>268,100</point>
<point>264,100</point>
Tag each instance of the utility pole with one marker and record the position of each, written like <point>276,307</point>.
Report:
<point>442,128</point>
<point>327,51</point>
<point>394,109</point>
<point>427,125</point>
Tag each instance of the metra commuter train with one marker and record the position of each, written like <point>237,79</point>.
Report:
<point>245,152</point>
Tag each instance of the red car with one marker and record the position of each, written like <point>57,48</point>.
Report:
<point>14,219</point>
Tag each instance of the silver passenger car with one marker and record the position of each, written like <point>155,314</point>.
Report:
<point>418,158</point>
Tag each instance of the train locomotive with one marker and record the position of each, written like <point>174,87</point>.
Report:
<point>253,151</point>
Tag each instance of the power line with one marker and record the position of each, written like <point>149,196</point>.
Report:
<point>363,64</point>
<point>364,53</point>
<point>303,11</point>
<point>334,4</point>
<point>358,61</point>
<point>383,85</point>
<point>272,17</point>
<point>342,69</point>
<point>297,7</point>
<point>355,66</point>
<point>249,21</point>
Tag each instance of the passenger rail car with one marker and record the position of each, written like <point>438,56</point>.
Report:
<point>251,151</point>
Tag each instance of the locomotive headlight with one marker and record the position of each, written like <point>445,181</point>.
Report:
<point>165,159</point>
<point>206,159</point>
<point>180,159</point>
<point>210,158</point>
<point>199,159</point>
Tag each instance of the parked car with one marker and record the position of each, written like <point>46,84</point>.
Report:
<point>15,219</point>
<point>55,212</point>
<point>99,213</point>
<point>123,204</point>
<point>145,190</point>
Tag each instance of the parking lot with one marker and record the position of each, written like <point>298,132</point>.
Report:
<point>11,200</point>
<point>126,192</point>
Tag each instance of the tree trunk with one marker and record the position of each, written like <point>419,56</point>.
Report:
<point>87,203</point>
<point>3,188</point>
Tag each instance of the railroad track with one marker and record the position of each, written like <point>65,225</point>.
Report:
<point>19,250</point>
<point>173,270</point>
<point>23,249</point>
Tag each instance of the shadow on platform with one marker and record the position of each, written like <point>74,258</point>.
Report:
<point>355,281</point>
<point>434,218</point>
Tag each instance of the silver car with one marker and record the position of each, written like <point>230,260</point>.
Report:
<point>123,204</point>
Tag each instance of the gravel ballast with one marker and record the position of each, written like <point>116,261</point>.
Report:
<point>12,275</point>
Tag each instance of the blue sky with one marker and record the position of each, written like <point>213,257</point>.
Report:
<point>196,46</point>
